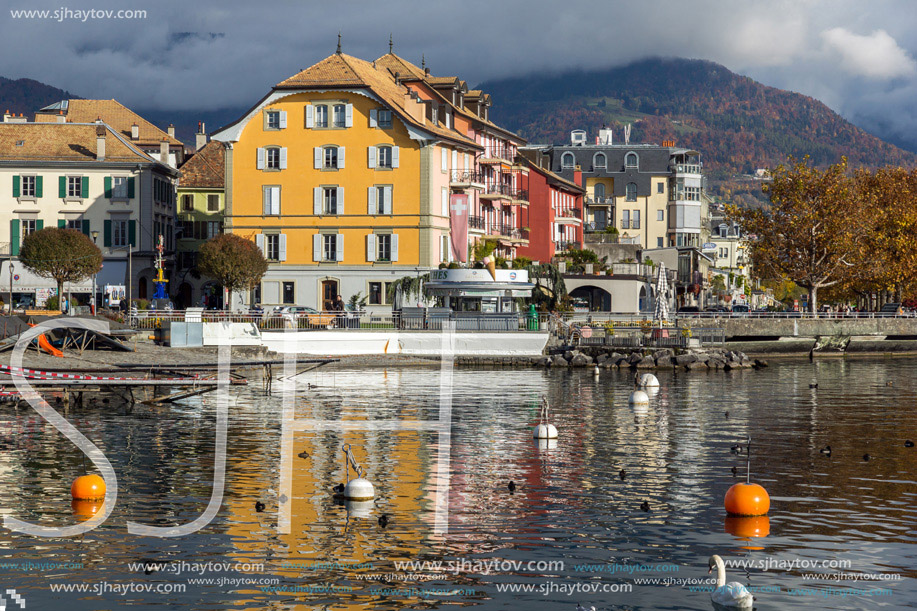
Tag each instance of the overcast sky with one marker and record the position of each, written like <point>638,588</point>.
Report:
<point>857,57</point>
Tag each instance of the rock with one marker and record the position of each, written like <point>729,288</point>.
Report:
<point>634,358</point>
<point>760,363</point>
<point>616,361</point>
<point>580,360</point>
<point>661,353</point>
<point>684,359</point>
<point>716,362</point>
<point>601,359</point>
<point>545,361</point>
<point>665,361</point>
<point>703,357</point>
<point>569,354</point>
<point>646,362</point>
<point>695,365</point>
<point>559,361</point>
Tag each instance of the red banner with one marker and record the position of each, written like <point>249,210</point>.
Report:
<point>458,221</point>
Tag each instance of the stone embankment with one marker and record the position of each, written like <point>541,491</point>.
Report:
<point>724,360</point>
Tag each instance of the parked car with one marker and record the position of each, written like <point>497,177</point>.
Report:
<point>688,310</point>
<point>313,317</point>
<point>716,308</point>
<point>740,308</point>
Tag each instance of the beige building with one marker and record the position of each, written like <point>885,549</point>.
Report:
<point>89,177</point>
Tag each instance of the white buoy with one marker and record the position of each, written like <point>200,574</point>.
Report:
<point>359,488</point>
<point>595,371</point>
<point>547,444</point>
<point>647,380</point>
<point>545,430</point>
<point>359,509</point>
<point>638,397</point>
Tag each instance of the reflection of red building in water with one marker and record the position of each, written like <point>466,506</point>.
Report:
<point>555,214</point>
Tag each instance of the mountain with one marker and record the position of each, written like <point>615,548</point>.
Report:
<point>26,96</point>
<point>736,123</point>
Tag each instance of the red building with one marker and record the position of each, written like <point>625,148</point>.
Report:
<point>555,213</point>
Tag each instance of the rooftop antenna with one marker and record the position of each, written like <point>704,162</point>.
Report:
<point>339,43</point>
<point>423,61</point>
<point>627,134</point>
<point>390,43</point>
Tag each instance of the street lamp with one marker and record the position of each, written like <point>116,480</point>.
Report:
<point>95,237</point>
<point>11,285</point>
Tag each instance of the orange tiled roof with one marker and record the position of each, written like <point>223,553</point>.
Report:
<point>206,168</point>
<point>341,70</point>
<point>112,112</point>
<point>63,142</point>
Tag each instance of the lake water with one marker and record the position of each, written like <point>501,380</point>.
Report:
<point>841,533</point>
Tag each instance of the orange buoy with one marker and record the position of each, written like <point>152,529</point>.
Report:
<point>748,527</point>
<point>86,510</point>
<point>747,500</point>
<point>88,488</point>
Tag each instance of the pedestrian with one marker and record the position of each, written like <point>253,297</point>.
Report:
<point>338,306</point>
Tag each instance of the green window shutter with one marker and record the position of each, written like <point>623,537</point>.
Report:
<point>38,186</point>
<point>15,186</point>
<point>84,187</point>
<point>107,237</point>
<point>62,186</point>
<point>61,223</point>
<point>39,225</point>
<point>132,233</point>
<point>14,237</point>
<point>108,187</point>
<point>130,187</point>
<point>86,226</point>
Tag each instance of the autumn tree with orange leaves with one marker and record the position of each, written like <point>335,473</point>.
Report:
<point>812,233</point>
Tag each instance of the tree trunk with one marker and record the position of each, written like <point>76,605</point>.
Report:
<point>813,296</point>
<point>60,297</point>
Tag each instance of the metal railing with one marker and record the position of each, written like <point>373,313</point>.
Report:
<point>574,213</point>
<point>604,200</point>
<point>498,189</point>
<point>520,194</point>
<point>462,176</point>
<point>649,336</point>
<point>497,152</point>
<point>477,222</point>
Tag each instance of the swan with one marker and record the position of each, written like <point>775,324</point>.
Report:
<point>732,595</point>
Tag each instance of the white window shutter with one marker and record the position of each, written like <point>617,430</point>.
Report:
<point>340,198</point>
<point>454,160</point>
<point>445,203</point>
<point>283,158</point>
<point>394,247</point>
<point>371,247</point>
<point>275,200</point>
<point>339,247</point>
<point>317,201</point>
<point>317,247</point>
<point>259,242</point>
<point>317,157</point>
<point>341,157</point>
<point>260,164</point>
<point>394,156</point>
<point>283,119</point>
<point>372,157</point>
<point>310,116</point>
<point>266,203</point>
<point>371,200</point>
<point>283,247</point>
<point>348,116</point>
<point>373,117</point>
<point>387,194</point>
<point>445,162</point>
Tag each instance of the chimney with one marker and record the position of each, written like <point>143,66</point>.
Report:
<point>164,151</point>
<point>578,175</point>
<point>171,130</point>
<point>200,138</point>
<point>7,116</point>
<point>135,132</point>
<point>61,118</point>
<point>100,142</point>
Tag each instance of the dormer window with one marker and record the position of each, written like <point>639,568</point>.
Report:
<point>724,230</point>
<point>599,161</point>
<point>630,160</point>
<point>567,161</point>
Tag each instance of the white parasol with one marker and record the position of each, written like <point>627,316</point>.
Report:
<point>661,311</point>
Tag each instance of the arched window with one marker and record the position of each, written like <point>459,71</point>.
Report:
<point>567,161</point>
<point>599,161</point>
<point>599,192</point>
<point>630,160</point>
<point>631,192</point>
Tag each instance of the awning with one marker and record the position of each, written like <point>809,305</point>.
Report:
<point>478,289</point>
<point>113,272</point>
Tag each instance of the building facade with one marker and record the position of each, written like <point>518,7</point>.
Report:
<point>555,214</point>
<point>86,177</point>
<point>337,175</point>
<point>201,207</point>
<point>651,194</point>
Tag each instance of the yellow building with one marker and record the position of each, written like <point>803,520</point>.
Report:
<point>335,175</point>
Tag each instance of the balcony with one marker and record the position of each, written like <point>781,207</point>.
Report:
<point>605,200</point>
<point>496,154</point>
<point>519,195</point>
<point>463,179</point>
<point>476,222</point>
<point>562,245</point>
<point>686,168</point>
<point>497,191</point>
<point>571,216</point>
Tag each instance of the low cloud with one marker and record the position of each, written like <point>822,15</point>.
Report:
<point>875,56</point>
